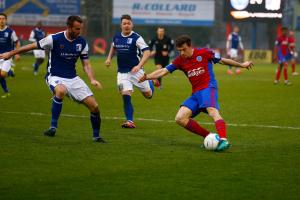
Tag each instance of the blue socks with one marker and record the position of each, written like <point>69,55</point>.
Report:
<point>3,84</point>
<point>35,67</point>
<point>56,110</point>
<point>151,87</point>
<point>96,123</point>
<point>128,108</point>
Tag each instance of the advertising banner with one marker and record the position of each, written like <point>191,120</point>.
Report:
<point>166,12</point>
<point>258,56</point>
<point>50,12</point>
<point>253,10</point>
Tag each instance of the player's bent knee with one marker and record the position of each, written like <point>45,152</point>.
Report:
<point>60,91</point>
<point>3,74</point>
<point>148,95</point>
<point>179,119</point>
<point>94,108</point>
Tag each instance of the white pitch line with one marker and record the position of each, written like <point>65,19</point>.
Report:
<point>155,120</point>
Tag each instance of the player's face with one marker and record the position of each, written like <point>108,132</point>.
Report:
<point>126,26</point>
<point>74,31</point>
<point>2,21</point>
<point>236,29</point>
<point>185,50</point>
<point>160,32</point>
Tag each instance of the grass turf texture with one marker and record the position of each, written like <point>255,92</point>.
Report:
<point>158,159</point>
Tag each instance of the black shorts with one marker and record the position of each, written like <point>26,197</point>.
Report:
<point>162,61</point>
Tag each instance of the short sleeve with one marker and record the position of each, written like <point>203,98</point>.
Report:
<point>14,36</point>
<point>84,53</point>
<point>46,43</point>
<point>213,56</point>
<point>171,68</point>
<point>141,44</point>
<point>31,37</point>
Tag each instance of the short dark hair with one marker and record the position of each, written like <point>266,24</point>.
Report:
<point>126,16</point>
<point>183,39</point>
<point>3,14</point>
<point>71,19</point>
<point>284,29</point>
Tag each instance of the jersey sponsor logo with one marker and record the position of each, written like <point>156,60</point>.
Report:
<point>199,58</point>
<point>78,47</point>
<point>196,72</point>
<point>129,40</point>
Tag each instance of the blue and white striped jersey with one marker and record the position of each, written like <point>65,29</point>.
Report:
<point>234,41</point>
<point>63,54</point>
<point>129,50</point>
<point>36,35</point>
<point>8,38</point>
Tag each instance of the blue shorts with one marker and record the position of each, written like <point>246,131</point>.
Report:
<point>202,99</point>
<point>282,59</point>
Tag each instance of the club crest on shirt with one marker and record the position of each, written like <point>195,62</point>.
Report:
<point>129,40</point>
<point>6,34</point>
<point>78,47</point>
<point>199,58</point>
<point>61,46</point>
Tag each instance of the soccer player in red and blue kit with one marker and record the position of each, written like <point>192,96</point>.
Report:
<point>283,56</point>
<point>197,64</point>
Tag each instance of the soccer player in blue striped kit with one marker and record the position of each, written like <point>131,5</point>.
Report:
<point>65,49</point>
<point>132,53</point>
<point>8,41</point>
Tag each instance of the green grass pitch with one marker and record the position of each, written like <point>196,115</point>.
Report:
<point>158,159</point>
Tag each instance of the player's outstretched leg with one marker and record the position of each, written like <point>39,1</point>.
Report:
<point>183,118</point>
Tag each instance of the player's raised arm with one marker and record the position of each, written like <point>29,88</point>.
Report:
<point>20,50</point>
<point>154,75</point>
<point>226,61</point>
<point>110,55</point>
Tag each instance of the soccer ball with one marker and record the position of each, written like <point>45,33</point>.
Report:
<point>211,141</point>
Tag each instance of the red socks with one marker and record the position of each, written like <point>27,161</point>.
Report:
<point>278,72</point>
<point>285,72</point>
<point>194,127</point>
<point>221,128</point>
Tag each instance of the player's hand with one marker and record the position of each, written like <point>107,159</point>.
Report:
<point>143,78</point>
<point>96,83</point>
<point>135,69</point>
<point>247,64</point>
<point>17,57</point>
<point>108,62</point>
<point>5,56</point>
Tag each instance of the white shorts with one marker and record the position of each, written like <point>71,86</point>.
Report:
<point>77,90</point>
<point>126,81</point>
<point>39,53</point>
<point>5,65</point>
<point>233,53</point>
